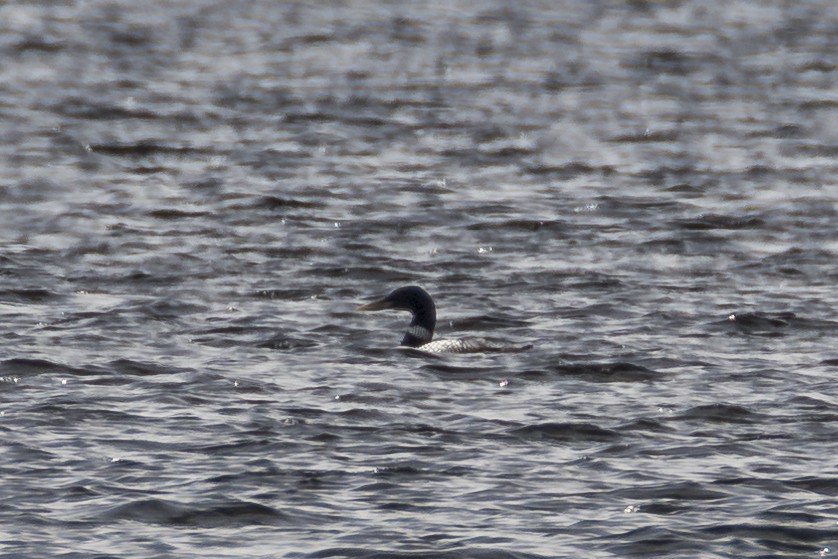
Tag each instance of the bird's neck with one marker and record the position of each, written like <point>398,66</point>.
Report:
<point>421,329</point>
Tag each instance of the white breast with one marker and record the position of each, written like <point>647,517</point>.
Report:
<point>450,346</point>
<point>471,345</point>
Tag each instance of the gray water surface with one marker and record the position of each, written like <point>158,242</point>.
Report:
<point>195,195</point>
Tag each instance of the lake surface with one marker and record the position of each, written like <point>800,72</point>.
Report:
<point>195,196</point>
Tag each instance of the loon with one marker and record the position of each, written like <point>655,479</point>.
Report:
<point>420,333</point>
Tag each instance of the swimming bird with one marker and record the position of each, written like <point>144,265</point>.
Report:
<point>420,333</point>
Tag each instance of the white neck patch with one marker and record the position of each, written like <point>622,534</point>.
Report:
<point>420,332</point>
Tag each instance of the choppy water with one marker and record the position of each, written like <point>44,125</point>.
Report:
<point>194,196</point>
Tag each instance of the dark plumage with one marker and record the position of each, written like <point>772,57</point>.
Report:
<point>420,333</point>
<point>417,301</point>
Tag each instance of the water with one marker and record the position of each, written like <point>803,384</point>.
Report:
<point>194,196</point>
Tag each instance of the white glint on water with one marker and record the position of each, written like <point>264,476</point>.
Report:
<point>586,208</point>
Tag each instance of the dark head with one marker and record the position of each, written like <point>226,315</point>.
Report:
<point>417,301</point>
